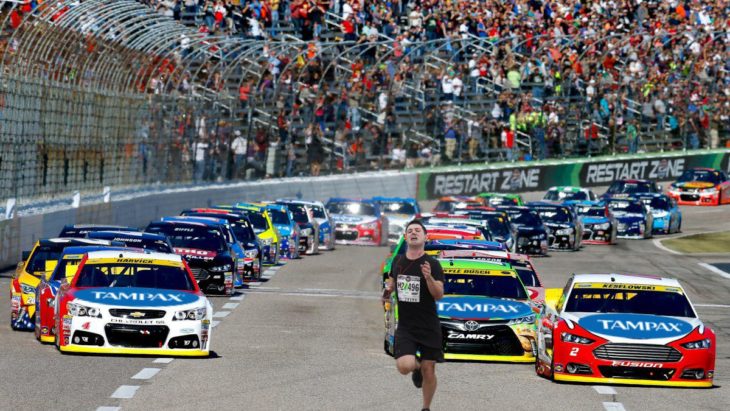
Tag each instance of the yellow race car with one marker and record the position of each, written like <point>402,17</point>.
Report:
<point>264,228</point>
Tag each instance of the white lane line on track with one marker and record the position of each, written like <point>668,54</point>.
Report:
<point>604,390</point>
<point>659,245</point>
<point>108,409</point>
<point>253,283</point>
<point>163,360</point>
<point>230,306</point>
<point>613,406</point>
<point>146,374</point>
<point>214,323</point>
<point>238,297</point>
<point>713,305</point>
<point>715,270</point>
<point>125,391</point>
<point>221,314</point>
<point>364,297</point>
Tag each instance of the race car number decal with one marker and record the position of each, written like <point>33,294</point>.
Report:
<point>409,288</point>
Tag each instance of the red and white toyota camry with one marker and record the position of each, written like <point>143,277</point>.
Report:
<point>624,329</point>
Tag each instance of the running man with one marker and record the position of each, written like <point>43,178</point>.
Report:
<point>420,283</point>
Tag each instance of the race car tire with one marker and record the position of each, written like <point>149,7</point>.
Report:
<point>37,328</point>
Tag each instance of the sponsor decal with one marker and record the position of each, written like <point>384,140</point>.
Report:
<point>472,183</point>
<point>635,326</point>
<point>481,308</point>
<point>460,336</point>
<point>638,364</point>
<point>187,331</point>
<point>86,325</point>
<point>136,297</point>
<point>194,252</point>
<point>477,271</point>
<point>698,184</point>
<point>136,322</point>
<point>630,287</point>
<point>15,303</point>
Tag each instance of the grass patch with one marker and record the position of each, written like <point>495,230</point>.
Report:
<point>714,243</point>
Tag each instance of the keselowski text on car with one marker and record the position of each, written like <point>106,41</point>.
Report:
<point>68,264</point>
<point>399,212</point>
<point>486,314</point>
<point>599,224</point>
<point>666,215</point>
<point>133,303</point>
<point>564,230</point>
<point>634,218</point>
<point>205,249</point>
<point>624,329</point>
<point>36,264</point>
<point>531,236</point>
<point>358,222</point>
<point>701,186</point>
<point>248,248</point>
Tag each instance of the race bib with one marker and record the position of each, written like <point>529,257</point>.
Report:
<point>409,288</point>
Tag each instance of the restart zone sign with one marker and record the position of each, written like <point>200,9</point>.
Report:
<point>591,173</point>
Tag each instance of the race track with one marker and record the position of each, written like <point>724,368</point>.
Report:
<point>310,337</point>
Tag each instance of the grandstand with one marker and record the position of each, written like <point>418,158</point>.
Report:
<point>130,92</point>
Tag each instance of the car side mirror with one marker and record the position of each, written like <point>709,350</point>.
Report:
<point>25,255</point>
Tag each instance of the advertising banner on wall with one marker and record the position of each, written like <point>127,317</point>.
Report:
<point>514,178</point>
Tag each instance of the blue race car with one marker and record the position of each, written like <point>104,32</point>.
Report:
<point>628,188</point>
<point>531,234</point>
<point>283,219</point>
<point>634,218</point>
<point>564,230</point>
<point>599,225</point>
<point>399,211</point>
<point>666,213</point>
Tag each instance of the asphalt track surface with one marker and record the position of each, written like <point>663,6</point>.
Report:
<point>310,337</point>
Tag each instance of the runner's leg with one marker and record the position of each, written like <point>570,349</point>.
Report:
<point>406,364</point>
<point>428,370</point>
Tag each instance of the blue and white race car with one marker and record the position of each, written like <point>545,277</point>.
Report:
<point>399,211</point>
<point>599,224</point>
<point>634,218</point>
<point>666,213</point>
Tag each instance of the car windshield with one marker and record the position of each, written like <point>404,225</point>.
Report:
<point>555,215</point>
<point>497,226</point>
<point>499,200</point>
<point>257,220</point>
<point>591,211</point>
<point>657,203</point>
<point>497,286</point>
<point>300,213</point>
<point>351,208</point>
<point>41,257</point>
<point>117,275</point>
<point>195,237</point>
<point>526,272</point>
<point>673,304</point>
<point>559,195</point>
<point>629,207</point>
<point>623,187</point>
<point>318,211</point>
<point>710,176</point>
<point>243,231</point>
<point>66,268</point>
<point>395,207</point>
<point>524,217</point>
<point>279,217</point>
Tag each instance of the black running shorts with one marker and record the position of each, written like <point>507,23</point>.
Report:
<point>406,345</point>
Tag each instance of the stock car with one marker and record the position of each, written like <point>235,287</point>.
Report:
<point>599,224</point>
<point>283,220</point>
<point>531,236</point>
<point>666,215</point>
<point>146,241</point>
<point>497,222</point>
<point>634,218</point>
<point>267,234</point>
<point>434,246</point>
<point>701,186</point>
<point>246,246</point>
<point>486,314</point>
<point>82,230</point>
<point>140,303</point>
<point>205,248</point>
<point>325,224</point>
<point>519,262</point>
<point>624,329</point>
<point>399,212</point>
<point>472,229</point>
<point>37,263</point>
<point>309,235</point>
<point>628,187</point>
<point>501,199</point>
<point>449,204</point>
<point>358,221</point>
<point>47,290</point>
<point>569,194</point>
<point>563,228</point>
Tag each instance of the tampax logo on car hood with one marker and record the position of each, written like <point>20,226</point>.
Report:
<point>136,297</point>
<point>483,308</point>
<point>635,326</point>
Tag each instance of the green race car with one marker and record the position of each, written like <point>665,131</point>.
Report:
<point>500,199</point>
